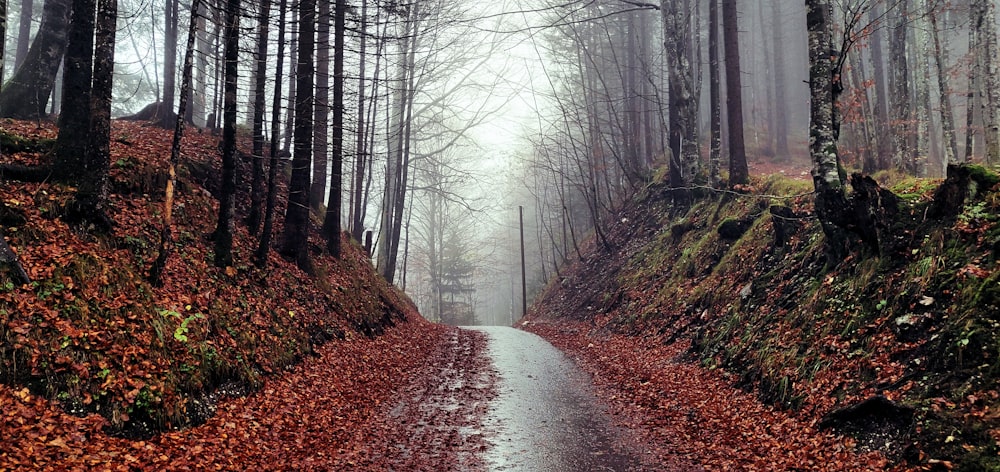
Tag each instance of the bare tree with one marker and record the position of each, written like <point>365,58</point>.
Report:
<point>332,222</point>
<point>257,184</point>
<point>824,88</point>
<point>171,13</point>
<point>296,235</point>
<point>715,105</point>
<point>321,122</point>
<point>27,93</point>
<point>264,245</point>
<point>23,31</point>
<point>685,159</point>
<point>166,231</point>
<point>738,173</point>
<point>227,199</point>
<point>947,114</point>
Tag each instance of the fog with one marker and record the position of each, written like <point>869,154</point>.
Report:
<point>459,114</point>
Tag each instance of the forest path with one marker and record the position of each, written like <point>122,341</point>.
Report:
<point>545,416</point>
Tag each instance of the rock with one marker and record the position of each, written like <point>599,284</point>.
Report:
<point>731,230</point>
<point>879,424</point>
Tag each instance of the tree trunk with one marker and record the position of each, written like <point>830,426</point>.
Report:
<point>738,173</point>
<point>332,223</point>
<point>715,147</point>
<point>92,194</point>
<point>899,83</point>
<point>830,200</point>
<point>684,105</point>
<point>361,157</point>
<point>171,10</point>
<point>394,160</point>
<point>3,34</point>
<point>257,184</point>
<point>227,204</point>
<point>970,96</point>
<point>264,245</point>
<point>26,95</point>
<point>780,102</point>
<point>321,123</point>
<point>947,116</point>
<point>989,76</point>
<point>883,143</point>
<point>74,122</point>
<point>293,54</point>
<point>296,244</point>
<point>23,32</point>
<point>166,232</point>
<point>198,94</point>
<point>402,172</point>
<point>922,94</point>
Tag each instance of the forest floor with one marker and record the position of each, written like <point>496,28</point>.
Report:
<point>421,397</point>
<point>718,330</point>
<point>363,404</point>
<point>719,350</point>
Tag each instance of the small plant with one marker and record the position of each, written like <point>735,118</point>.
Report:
<point>180,333</point>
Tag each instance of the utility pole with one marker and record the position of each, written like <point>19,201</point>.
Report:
<point>524,283</point>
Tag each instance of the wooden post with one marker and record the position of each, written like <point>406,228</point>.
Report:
<point>524,282</point>
<point>368,242</point>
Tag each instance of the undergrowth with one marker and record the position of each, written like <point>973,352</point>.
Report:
<point>917,323</point>
<point>90,333</point>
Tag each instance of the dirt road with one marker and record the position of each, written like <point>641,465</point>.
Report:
<point>545,417</point>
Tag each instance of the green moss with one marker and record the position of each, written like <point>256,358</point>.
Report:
<point>983,176</point>
<point>12,143</point>
<point>781,185</point>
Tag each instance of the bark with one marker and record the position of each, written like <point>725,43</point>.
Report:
<point>394,160</point>
<point>74,122</point>
<point>171,11</point>
<point>970,97</point>
<point>23,32</point>
<point>899,83</point>
<point>361,157</point>
<point>947,116</point>
<point>922,93</point>
<point>227,204</point>
<point>332,223</point>
<point>321,123</point>
<point>3,33</point>
<point>684,105</point>
<point>715,147</point>
<point>92,193</point>
<point>780,85</point>
<point>26,94</point>
<point>166,232</point>
<point>257,184</point>
<point>738,173</point>
<point>830,200</point>
<point>883,143</point>
<point>198,95</point>
<point>986,51</point>
<point>296,244</point>
<point>402,171</point>
<point>293,55</point>
<point>264,245</point>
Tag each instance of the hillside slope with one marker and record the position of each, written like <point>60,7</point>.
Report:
<point>91,335</point>
<point>896,348</point>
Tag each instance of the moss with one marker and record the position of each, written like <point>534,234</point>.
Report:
<point>12,143</point>
<point>983,176</point>
<point>781,185</point>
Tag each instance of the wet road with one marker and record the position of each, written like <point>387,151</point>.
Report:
<point>545,417</point>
